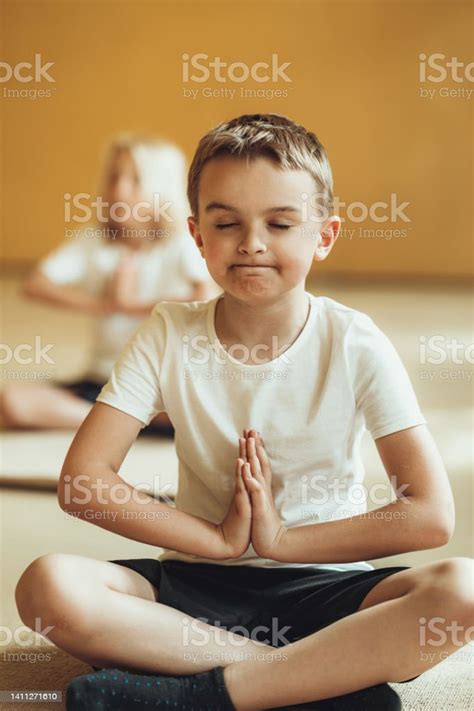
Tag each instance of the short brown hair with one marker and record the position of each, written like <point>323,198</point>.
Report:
<point>277,137</point>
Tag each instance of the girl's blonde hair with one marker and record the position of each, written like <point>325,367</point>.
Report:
<point>161,168</point>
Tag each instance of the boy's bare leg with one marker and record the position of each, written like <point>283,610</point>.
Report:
<point>377,644</point>
<point>108,615</point>
<point>41,407</point>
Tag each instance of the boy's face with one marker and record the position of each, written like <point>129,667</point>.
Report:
<point>254,227</point>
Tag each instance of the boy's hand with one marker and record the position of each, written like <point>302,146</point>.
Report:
<point>234,530</point>
<point>268,531</point>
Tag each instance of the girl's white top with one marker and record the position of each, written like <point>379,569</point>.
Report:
<point>165,272</point>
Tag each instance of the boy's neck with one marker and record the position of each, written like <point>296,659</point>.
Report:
<point>275,325</point>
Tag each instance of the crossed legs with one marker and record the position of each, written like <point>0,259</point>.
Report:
<point>111,616</point>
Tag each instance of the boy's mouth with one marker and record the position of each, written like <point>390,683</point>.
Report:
<point>253,266</point>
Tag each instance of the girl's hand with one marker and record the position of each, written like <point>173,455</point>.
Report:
<point>234,530</point>
<point>123,286</point>
<point>268,531</point>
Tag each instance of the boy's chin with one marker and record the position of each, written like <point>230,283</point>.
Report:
<point>253,289</point>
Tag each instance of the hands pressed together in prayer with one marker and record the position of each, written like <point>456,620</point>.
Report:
<point>252,516</point>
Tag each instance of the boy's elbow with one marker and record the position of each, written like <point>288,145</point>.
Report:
<point>435,526</point>
<point>61,495</point>
<point>441,535</point>
<point>68,486</point>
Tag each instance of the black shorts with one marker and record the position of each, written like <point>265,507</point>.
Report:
<point>89,390</point>
<point>275,606</point>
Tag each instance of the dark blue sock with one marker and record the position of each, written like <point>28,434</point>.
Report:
<point>116,689</point>
<point>380,697</point>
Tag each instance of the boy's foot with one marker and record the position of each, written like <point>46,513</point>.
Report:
<point>116,689</point>
<point>373,698</point>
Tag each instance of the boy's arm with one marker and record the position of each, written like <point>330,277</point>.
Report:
<point>89,478</point>
<point>422,516</point>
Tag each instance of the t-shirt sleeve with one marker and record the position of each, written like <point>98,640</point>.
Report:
<point>67,264</point>
<point>382,386</point>
<point>193,265</point>
<point>134,384</point>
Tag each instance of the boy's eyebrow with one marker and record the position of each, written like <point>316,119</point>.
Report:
<point>222,206</point>
<point>219,206</point>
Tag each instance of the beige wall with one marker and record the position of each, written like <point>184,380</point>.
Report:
<point>354,81</point>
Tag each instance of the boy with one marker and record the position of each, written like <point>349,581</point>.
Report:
<point>251,548</point>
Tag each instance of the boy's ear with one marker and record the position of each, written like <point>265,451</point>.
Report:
<point>327,237</point>
<point>193,227</point>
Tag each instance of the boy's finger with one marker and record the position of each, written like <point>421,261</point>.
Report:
<point>238,475</point>
<point>250,481</point>
<point>253,459</point>
<point>258,441</point>
<point>243,499</point>
<point>263,458</point>
<point>258,436</point>
<point>256,491</point>
<point>243,448</point>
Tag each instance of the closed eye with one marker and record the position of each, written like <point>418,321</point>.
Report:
<point>276,225</point>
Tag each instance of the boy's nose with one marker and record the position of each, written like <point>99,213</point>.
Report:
<point>251,243</point>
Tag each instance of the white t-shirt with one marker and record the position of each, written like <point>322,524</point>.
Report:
<point>165,272</point>
<point>310,404</point>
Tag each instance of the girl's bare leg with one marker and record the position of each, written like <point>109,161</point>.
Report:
<point>108,615</point>
<point>41,407</point>
<point>45,407</point>
<point>379,643</point>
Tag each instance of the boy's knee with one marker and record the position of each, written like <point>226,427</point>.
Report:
<point>449,586</point>
<point>43,591</point>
